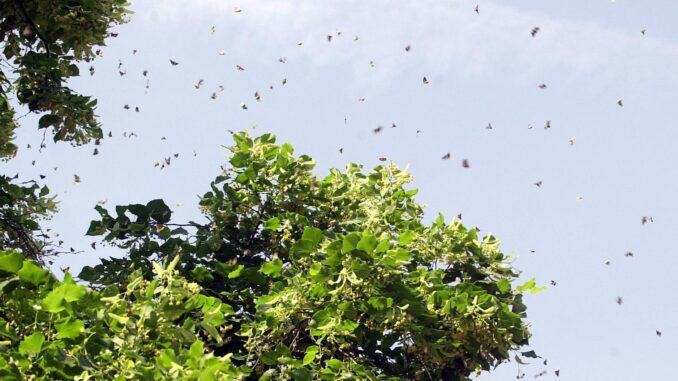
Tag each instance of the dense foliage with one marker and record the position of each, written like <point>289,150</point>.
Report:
<point>290,276</point>
<point>42,41</point>
<point>333,277</point>
<point>148,330</point>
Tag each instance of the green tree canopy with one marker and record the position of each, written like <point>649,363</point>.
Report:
<point>334,277</point>
<point>42,41</point>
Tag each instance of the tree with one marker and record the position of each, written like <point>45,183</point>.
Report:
<point>330,278</point>
<point>52,330</point>
<point>42,41</point>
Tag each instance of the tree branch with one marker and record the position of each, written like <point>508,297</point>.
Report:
<point>20,6</point>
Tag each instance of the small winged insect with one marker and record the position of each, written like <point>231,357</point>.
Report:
<point>76,179</point>
<point>465,164</point>
<point>446,156</point>
<point>237,10</point>
<point>646,219</point>
<point>213,96</point>
<point>408,48</point>
<point>284,81</point>
<point>424,81</point>
<point>329,37</point>
<point>542,86</point>
<point>257,97</point>
<point>173,62</point>
<point>382,159</point>
<point>534,31</point>
<point>489,126</point>
<point>341,150</point>
<point>199,83</point>
<point>538,183</point>
<point>658,333</point>
<point>282,59</point>
<point>126,107</point>
<point>91,70</point>
<point>620,103</point>
<point>547,125</point>
<point>145,73</point>
<point>620,300</point>
<point>378,129</point>
<point>477,10</point>
<point>628,254</point>
<point>243,106</point>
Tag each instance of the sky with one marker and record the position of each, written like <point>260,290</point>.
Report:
<point>602,166</point>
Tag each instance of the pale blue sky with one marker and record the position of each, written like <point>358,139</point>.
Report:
<point>482,69</point>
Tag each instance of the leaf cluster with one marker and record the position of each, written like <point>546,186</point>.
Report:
<point>41,43</point>
<point>160,328</point>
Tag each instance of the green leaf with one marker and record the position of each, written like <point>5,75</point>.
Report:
<point>272,224</point>
<point>33,274</point>
<point>504,285</point>
<point>406,237</point>
<point>367,243</point>
<point>159,211</point>
<point>350,242</point>
<point>302,374</point>
<point>32,344</point>
<point>314,235</point>
<point>10,262</point>
<point>70,329</point>
<point>311,352</point>
<point>197,349</point>
<point>67,292</point>
<point>236,272</point>
<point>48,120</point>
<point>272,268</point>
<point>530,286</point>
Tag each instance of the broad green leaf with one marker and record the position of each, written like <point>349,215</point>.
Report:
<point>314,235</point>
<point>504,285</point>
<point>367,243</point>
<point>33,274</point>
<point>272,224</point>
<point>159,211</point>
<point>311,352</point>
<point>236,272</point>
<point>350,242</point>
<point>70,329</point>
<point>32,344</point>
<point>10,262</point>
<point>406,237</point>
<point>530,286</point>
<point>272,268</point>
